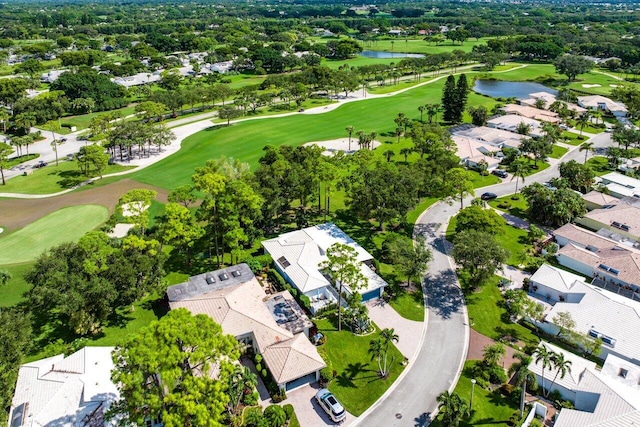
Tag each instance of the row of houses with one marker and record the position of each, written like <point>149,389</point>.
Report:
<point>77,390</point>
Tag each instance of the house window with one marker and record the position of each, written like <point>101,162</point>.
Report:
<point>623,373</point>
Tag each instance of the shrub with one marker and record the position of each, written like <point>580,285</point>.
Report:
<point>257,359</point>
<point>503,204</point>
<point>288,409</point>
<point>275,415</point>
<point>514,420</point>
<point>263,373</point>
<point>555,396</point>
<point>251,399</point>
<point>279,396</point>
<point>497,375</point>
<point>326,374</point>
<point>259,367</point>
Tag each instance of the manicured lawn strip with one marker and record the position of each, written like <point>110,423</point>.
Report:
<point>558,152</point>
<point>83,121</point>
<point>480,181</point>
<point>409,305</point>
<point>12,292</point>
<point>13,161</point>
<point>593,129</point>
<point>413,215</point>
<point>357,385</point>
<point>52,178</point>
<point>573,138</point>
<point>419,45</point>
<point>64,225</point>
<point>489,407</point>
<point>600,165</point>
<point>488,315</point>
<point>516,207</point>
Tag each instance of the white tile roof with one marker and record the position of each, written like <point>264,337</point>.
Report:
<point>594,101</point>
<point>599,198</point>
<point>492,136</point>
<point>555,278</point>
<point>626,212</point>
<point>473,150</point>
<point>617,403</point>
<point>510,122</point>
<point>607,313</point>
<point>62,391</point>
<point>531,112</point>
<point>624,180</point>
<point>306,249</point>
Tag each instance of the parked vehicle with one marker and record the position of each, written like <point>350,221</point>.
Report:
<point>489,196</point>
<point>40,164</point>
<point>500,173</point>
<point>330,405</point>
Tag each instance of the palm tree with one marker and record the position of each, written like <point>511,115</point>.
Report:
<point>493,353</point>
<point>543,356</point>
<point>4,117</point>
<point>520,169</point>
<point>405,152</point>
<point>583,120</point>
<point>521,375</point>
<point>587,147</point>
<point>523,128</point>
<point>597,115</point>
<point>421,109</point>
<point>561,366</point>
<point>453,408</point>
<point>398,133</point>
<point>379,349</point>
<point>389,154</point>
<point>350,132</point>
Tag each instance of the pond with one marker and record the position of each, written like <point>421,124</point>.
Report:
<point>502,89</point>
<point>387,55</point>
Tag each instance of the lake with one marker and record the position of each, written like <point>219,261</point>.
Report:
<point>502,89</point>
<point>387,55</point>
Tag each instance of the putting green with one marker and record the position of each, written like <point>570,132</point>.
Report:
<point>64,225</point>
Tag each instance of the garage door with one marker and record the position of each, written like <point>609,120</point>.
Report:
<point>307,379</point>
<point>370,295</point>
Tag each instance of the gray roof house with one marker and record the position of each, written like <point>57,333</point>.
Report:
<point>297,256</point>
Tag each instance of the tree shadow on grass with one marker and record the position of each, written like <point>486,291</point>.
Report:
<point>70,179</point>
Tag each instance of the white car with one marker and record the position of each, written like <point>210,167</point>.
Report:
<point>331,406</point>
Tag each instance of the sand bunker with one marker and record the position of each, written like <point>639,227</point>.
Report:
<point>612,85</point>
<point>587,86</point>
<point>120,230</point>
<point>342,144</point>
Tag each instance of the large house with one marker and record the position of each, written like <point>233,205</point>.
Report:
<point>510,122</point>
<point>602,103</point>
<point>65,391</point>
<point>596,312</point>
<point>613,261</point>
<point>603,398</point>
<point>272,325</point>
<point>622,218</point>
<point>531,113</point>
<point>474,153</point>
<point>298,255</point>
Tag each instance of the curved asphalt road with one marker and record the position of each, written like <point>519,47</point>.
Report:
<point>436,367</point>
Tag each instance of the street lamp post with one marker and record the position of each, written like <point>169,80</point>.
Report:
<point>473,384</point>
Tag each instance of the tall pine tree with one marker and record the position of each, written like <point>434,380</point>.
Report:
<point>463,93</point>
<point>450,100</point>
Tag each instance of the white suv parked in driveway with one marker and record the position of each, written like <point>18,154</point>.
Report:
<point>331,406</point>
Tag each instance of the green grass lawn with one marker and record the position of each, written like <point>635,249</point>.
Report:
<point>490,408</point>
<point>64,225</point>
<point>488,316</point>
<point>13,161</point>
<point>516,207</point>
<point>83,121</point>
<point>409,305</point>
<point>419,45</point>
<point>480,181</point>
<point>52,178</point>
<point>12,292</point>
<point>573,138</point>
<point>558,152</point>
<point>357,385</point>
<point>600,165</point>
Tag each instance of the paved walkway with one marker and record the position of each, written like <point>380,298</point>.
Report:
<point>385,316</point>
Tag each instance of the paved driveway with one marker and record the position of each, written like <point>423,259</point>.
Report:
<point>309,413</point>
<point>408,331</point>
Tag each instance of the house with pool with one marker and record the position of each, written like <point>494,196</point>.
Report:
<point>297,255</point>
